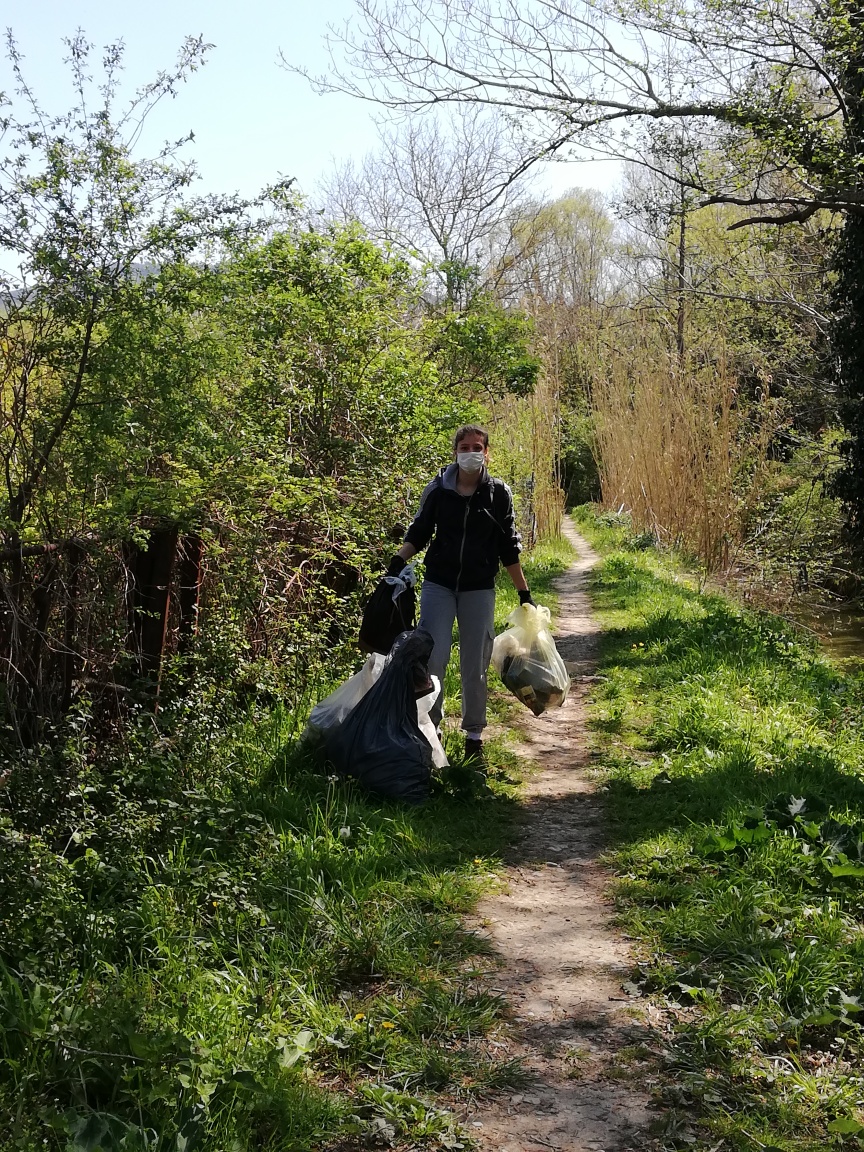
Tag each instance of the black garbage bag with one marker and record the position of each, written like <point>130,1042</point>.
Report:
<point>379,742</point>
<point>536,686</point>
<point>384,618</point>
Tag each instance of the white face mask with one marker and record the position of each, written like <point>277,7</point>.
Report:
<point>471,461</point>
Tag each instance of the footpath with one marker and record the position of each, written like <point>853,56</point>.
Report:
<point>563,961</point>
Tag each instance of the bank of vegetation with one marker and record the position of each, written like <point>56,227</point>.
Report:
<point>212,944</point>
<point>214,416</point>
<point>731,752</point>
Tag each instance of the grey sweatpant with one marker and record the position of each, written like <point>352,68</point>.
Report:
<point>475,611</point>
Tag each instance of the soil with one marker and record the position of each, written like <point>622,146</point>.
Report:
<point>576,1022</point>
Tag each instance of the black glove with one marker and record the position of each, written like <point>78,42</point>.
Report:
<point>395,566</point>
<point>525,597</point>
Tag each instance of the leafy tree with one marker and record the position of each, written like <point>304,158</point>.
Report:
<point>558,252</point>
<point>84,226</point>
<point>772,90</point>
<point>485,348</point>
<point>91,355</point>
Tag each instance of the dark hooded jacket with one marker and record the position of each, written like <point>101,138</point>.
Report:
<point>471,535</point>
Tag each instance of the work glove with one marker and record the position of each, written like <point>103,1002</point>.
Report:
<point>395,566</point>
<point>525,597</point>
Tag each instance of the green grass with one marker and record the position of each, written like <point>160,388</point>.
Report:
<point>207,944</point>
<point>732,754</point>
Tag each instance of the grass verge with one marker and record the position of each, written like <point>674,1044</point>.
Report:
<point>206,944</point>
<point>732,754</point>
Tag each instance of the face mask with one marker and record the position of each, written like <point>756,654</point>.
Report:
<point>470,461</point>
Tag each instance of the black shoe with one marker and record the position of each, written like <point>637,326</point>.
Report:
<point>474,749</point>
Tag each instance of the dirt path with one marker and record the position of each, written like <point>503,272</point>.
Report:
<point>563,962</point>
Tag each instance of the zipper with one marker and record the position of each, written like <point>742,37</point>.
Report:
<point>464,534</point>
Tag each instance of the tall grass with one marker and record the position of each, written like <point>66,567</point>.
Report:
<point>679,448</point>
<point>527,454</point>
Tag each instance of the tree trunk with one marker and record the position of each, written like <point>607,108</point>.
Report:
<point>681,277</point>
<point>75,555</point>
<point>847,336</point>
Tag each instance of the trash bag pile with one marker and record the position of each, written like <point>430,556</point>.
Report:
<point>389,611</point>
<point>526,659</point>
<point>385,738</point>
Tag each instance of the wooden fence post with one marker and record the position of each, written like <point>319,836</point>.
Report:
<point>75,555</point>
<point>152,569</point>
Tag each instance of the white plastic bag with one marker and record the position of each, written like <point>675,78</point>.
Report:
<point>526,659</point>
<point>334,708</point>
<point>424,707</point>
<point>406,579</point>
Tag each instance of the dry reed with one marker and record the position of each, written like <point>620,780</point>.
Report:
<point>678,449</point>
<point>526,446</point>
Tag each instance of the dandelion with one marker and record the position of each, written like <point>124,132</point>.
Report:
<point>387,1024</point>
<point>477,860</point>
<point>345,832</point>
<point>435,943</point>
<point>361,1016</point>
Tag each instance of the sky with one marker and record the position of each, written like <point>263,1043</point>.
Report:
<point>253,121</point>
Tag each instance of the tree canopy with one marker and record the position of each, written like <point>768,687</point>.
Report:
<point>775,87</point>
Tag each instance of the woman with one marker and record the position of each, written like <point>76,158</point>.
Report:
<point>468,516</point>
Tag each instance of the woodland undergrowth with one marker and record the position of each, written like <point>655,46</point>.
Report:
<point>209,943</point>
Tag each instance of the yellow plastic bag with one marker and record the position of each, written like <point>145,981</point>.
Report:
<point>526,659</point>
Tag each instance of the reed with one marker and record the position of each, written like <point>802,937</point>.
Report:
<point>679,448</point>
<point>526,435</point>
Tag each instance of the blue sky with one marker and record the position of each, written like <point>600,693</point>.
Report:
<point>252,120</point>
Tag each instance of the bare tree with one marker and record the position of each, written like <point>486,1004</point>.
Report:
<point>438,188</point>
<point>773,85</point>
